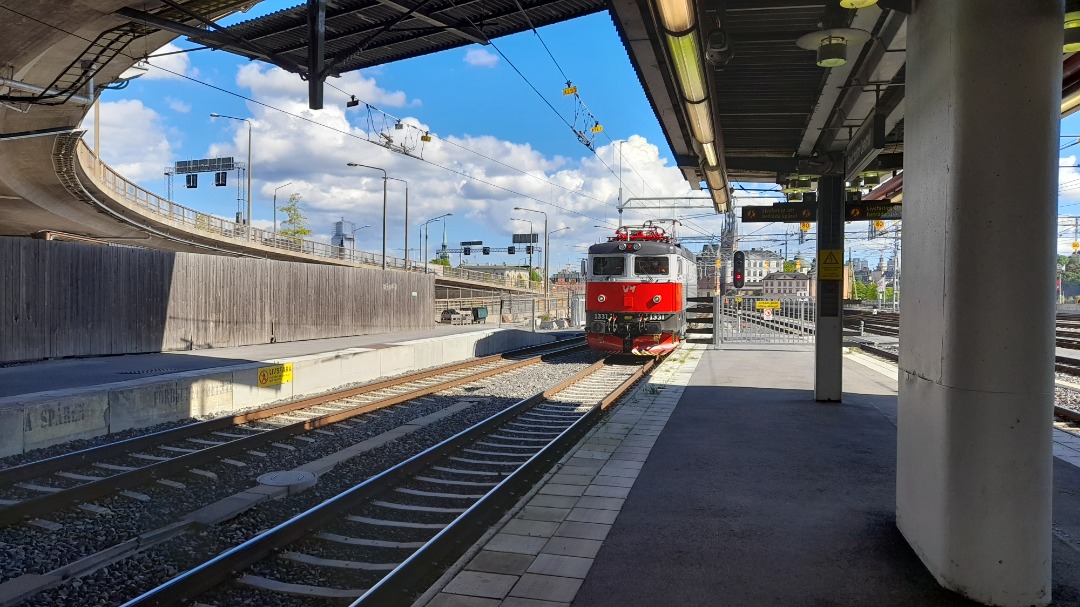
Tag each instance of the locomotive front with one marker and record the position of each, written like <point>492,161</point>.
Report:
<point>636,290</point>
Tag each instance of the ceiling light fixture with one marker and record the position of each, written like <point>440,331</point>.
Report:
<point>832,44</point>
<point>677,16</point>
<point>700,121</point>
<point>1072,32</point>
<point>686,55</point>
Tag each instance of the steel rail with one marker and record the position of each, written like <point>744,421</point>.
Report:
<point>106,486</point>
<point>195,581</point>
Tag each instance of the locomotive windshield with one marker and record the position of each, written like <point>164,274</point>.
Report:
<point>608,266</point>
<point>651,266</point>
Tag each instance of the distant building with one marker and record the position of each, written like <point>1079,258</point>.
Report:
<point>343,235</point>
<point>759,264</point>
<point>566,276</point>
<point>786,285</point>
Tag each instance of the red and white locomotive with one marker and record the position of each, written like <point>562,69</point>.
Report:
<point>636,288</point>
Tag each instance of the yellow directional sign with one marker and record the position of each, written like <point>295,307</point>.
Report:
<point>275,375</point>
<point>570,90</point>
<point>767,304</point>
<point>832,264</point>
<point>805,226</point>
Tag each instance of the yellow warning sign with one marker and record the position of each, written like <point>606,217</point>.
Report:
<point>832,264</point>
<point>275,375</point>
<point>719,263</point>
<point>1076,245</point>
<point>879,224</point>
<point>805,226</point>
<point>767,304</point>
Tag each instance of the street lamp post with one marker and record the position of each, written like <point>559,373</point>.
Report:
<point>250,234</point>
<point>384,178</point>
<point>406,220</point>
<point>275,207</point>
<point>352,236</point>
<point>546,279</point>
<point>425,228</point>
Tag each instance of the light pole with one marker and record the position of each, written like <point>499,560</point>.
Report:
<point>275,207</point>
<point>546,279</point>
<point>618,144</point>
<point>352,236</point>
<point>384,178</point>
<point>425,228</point>
<point>248,217</point>
<point>528,221</point>
<point>406,220</point>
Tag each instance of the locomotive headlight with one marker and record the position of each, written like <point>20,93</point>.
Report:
<point>622,246</point>
<point>656,299</point>
<point>601,298</point>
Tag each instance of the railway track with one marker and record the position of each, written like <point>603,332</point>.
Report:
<point>1061,364</point>
<point>380,542</point>
<point>37,488</point>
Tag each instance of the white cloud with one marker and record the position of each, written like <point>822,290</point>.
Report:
<point>480,190</point>
<point>133,139</point>
<point>177,105</point>
<point>179,63</point>
<point>479,57</point>
<point>275,84</point>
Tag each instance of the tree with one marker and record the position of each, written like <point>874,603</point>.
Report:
<point>535,276</point>
<point>295,223</point>
<point>440,262</point>
<point>789,266</point>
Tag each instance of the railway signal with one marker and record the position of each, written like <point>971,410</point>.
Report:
<point>738,269</point>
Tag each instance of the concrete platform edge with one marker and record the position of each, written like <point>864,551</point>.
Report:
<point>42,419</point>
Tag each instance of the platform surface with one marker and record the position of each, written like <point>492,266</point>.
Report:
<point>58,374</point>
<point>735,488</point>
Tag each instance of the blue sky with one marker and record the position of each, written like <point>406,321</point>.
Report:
<point>474,103</point>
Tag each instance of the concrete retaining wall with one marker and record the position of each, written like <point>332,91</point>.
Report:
<point>42,419</point>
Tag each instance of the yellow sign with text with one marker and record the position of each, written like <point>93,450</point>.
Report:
<point>767,304</point>
<point>832,265</point>
<point>570,90</point>
<point>275,375</point>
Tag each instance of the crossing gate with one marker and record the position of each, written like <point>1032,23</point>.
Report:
<point>763,320</point>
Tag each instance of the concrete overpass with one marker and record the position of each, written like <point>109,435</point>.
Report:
<point>50,180</point>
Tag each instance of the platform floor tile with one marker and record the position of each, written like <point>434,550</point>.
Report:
<point>548,547</point>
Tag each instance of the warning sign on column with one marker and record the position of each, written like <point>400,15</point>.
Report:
<point>832,265</point>
<point>275,375</point>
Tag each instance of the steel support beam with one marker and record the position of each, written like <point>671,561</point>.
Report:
<point>316,19</point>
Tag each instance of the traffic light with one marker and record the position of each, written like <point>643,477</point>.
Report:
<point>738,269</point>
<point>510,250</point>
<point>528,249</point>
<point>486,250</point>
<point>466,251</point>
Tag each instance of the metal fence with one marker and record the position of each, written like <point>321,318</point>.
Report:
<point>506,309</point>
<point>763,320</point>
<point>125,190</point>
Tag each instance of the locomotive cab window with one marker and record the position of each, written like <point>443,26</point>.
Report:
<point>608,266</point>
<point>651,266</point>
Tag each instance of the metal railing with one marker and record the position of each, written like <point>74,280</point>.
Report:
<point>241,235</point>
<point>764,320</point>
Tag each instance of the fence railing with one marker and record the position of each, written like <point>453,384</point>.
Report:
<point>240,234</point>
<point>755,319</point>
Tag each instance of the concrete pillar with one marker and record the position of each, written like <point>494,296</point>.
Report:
<point>829,331</point>
<point>974,458</point>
